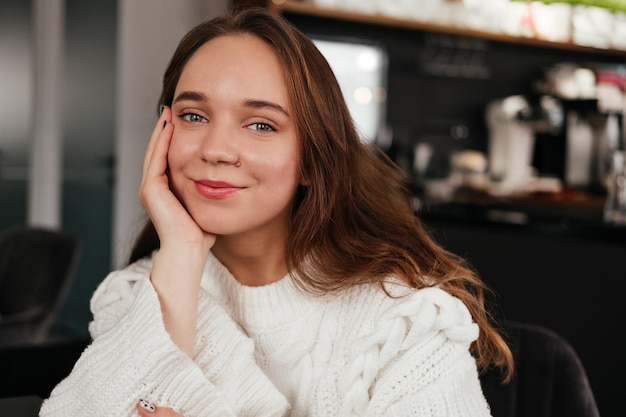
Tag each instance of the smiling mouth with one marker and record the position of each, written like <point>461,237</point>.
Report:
<point>216,190</point>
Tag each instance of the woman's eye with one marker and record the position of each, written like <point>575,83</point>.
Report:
<point>192,117</point>
<point>262,127</point>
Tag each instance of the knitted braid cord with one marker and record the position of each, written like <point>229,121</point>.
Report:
<point>424,313</point>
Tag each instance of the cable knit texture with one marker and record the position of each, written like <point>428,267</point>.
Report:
<point>276,351</point>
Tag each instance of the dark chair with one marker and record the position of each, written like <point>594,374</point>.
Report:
<point>549,381</point>
<point>37,267</point>
<point>35,369</point>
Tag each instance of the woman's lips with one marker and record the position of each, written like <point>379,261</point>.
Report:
<point>216,190</point>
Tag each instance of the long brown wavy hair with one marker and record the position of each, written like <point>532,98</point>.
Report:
<point>354,221</point>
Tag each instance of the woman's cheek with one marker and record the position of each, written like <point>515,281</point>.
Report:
<point>175,154</point>
<point>175,163</point>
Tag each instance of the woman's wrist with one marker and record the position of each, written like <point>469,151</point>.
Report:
<point>176,277</point>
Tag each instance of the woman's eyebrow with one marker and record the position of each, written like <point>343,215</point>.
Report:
<point>259,104</point>
<point>253,103</point>
<point>190,95</point>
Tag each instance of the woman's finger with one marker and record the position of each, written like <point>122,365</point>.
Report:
<point>162,130</point>
<point>158,127</point>
<point>155,160</point>
<point>146,409</point>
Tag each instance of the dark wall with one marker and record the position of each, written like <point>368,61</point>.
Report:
<point>89,128</point>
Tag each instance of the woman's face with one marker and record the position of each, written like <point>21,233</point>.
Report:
<point>233,159</point>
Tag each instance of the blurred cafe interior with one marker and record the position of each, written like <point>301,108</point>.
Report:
<point>507,116</point>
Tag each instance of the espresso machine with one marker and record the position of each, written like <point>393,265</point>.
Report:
<point>569,140</point>
<point>513,123</point>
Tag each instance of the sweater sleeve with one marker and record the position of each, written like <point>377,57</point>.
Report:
<point>226,355</point>
<point>418,362</point>
<point>135,359</point>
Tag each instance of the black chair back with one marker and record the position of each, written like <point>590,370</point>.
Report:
<point>37,267</point>
<point>549,381</point>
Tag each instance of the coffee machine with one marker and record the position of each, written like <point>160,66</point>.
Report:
<point>579,151</point>
<point>569,140</point>
<point>513,123</point>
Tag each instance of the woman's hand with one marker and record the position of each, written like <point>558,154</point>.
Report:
<point>178,265</point>
<point>146,409</point>
<point>171,220</point>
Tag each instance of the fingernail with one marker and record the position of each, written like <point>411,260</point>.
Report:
<point>147,406</point>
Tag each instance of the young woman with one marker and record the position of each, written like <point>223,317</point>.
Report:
<point>283,271</point>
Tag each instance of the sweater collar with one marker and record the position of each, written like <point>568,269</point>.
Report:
<point>257,308</point>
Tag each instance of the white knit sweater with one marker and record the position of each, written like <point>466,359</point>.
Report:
<point>275,351</point>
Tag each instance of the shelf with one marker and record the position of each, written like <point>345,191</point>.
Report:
<point>304,8</point>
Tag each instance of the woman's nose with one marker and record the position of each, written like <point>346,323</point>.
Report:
<point>218,145</point>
